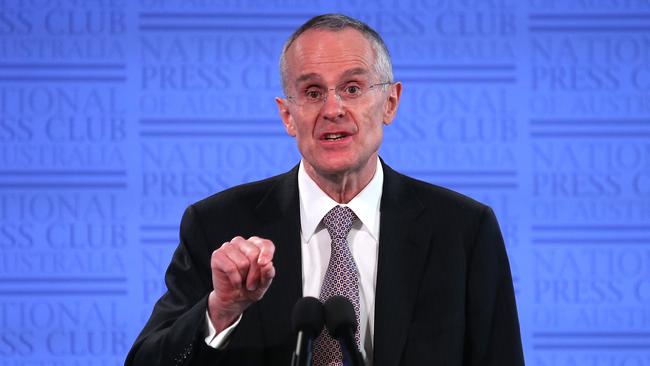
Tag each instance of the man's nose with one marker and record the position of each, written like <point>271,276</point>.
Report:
<point>332,105</point>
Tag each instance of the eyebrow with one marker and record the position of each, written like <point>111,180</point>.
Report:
<point>351,72</point>
<point>305,77</point>
<point>355,71</point>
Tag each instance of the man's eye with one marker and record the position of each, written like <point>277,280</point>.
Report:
<point>313,94</point>
<point>352,90</point>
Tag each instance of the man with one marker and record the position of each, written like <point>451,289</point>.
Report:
<point>431,280</point>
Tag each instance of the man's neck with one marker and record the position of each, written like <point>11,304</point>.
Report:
<point>342,188</point>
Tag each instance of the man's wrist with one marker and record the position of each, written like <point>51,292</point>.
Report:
<point>220,320</point>
<point>220,323</point>
<point>218,340</point>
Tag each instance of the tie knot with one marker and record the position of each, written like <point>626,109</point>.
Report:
<point>338,221</point>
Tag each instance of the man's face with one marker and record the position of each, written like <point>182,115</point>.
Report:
<point>336,136</point>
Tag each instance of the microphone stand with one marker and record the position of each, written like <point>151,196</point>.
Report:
<point>302,355</point>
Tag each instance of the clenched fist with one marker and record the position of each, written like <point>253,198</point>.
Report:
<point>242,271</point>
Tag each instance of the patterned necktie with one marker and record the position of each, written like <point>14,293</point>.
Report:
<point>341,278</point>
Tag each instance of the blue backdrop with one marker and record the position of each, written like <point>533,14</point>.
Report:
<point>115,115</point>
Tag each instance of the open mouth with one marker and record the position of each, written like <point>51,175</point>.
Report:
<point>333,136</point>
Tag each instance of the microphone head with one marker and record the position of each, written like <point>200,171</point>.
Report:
<point>308,316</point>
<point>339,316</point>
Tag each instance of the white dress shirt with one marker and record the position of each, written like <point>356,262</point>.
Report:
<point>363,240</point>
<point>316,248</point>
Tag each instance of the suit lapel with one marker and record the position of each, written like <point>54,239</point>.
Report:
<point>403,246</point>
<point>280,216</point>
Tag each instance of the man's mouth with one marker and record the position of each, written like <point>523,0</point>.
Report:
<point>334,136</point>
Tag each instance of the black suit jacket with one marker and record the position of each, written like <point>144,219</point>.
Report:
<point>444,292</point>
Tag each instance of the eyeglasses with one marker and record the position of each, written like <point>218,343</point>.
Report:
<point>348,92</point>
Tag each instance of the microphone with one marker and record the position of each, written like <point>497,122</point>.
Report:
<point>341,323</point>
<point>308,318</point>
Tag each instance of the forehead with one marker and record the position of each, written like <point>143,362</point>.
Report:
<point>326,54</point>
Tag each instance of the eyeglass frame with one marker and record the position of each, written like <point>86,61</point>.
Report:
<point>336,93</point>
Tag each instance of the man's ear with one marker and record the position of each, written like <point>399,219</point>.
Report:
<point>392,102</point>
<point>285,115</point>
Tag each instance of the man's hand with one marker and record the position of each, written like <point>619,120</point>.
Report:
<point>242,271</point>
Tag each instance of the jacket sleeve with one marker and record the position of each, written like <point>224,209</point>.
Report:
<point>174,333</point>
<point>492,330</point>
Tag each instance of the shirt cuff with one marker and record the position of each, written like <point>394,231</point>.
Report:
<point>218,341</point>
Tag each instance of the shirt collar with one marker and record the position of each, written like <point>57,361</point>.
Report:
<point>314,203</point>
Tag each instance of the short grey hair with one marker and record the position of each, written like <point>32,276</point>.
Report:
<point>335,23</point>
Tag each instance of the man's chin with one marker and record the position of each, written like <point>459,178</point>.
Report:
<point>339,167</point>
